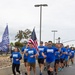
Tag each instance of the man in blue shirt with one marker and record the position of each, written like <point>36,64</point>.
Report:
<point>41,56</point>
<point>57,58</point>
<point>24,49</point>
<point>67,55</point>
<point>26,58</point>
<point>50,58</point>
<point>62,56</point>
<point>72,55</point>
<point>31,53</point>
<point>24,46</point>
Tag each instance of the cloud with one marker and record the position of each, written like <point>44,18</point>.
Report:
<point>21,14</point>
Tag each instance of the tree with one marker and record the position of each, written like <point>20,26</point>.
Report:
<point>12,44</point>
<point>23,35</point>
<point>27,33</point>
<point>19,35</point>
<point>18,44</point>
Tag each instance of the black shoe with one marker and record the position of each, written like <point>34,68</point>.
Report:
<point>51,73</point>
<point>30,68</point>
<point>45,68</point>
<point>25,73</point>
<point>55,73</point>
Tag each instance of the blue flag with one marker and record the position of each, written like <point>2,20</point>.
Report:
<point>5,40</point>
<point>33,35</point>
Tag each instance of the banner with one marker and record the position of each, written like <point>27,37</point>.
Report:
<point>4,45</point>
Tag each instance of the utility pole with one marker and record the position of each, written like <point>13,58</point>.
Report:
<point>40,5</point>
<point>54,35</point>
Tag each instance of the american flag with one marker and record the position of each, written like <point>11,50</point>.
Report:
<point>34,39</point>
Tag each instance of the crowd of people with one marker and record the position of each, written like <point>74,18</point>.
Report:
<point>51,58</point>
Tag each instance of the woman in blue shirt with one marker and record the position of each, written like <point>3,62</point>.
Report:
<point>16,56</point>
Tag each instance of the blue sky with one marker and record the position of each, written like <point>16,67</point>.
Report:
<point>21,14</point>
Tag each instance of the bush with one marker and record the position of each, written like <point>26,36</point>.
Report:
<point>18,44</point>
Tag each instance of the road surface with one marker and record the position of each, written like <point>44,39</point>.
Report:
<point>66,71</point>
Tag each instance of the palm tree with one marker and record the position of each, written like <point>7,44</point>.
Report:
<point>26,34</point>
<point>19,35</point>
<point>23,35</point>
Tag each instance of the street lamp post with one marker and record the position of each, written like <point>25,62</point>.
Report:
<point>54,35</point>
<point>40,5</point>
<point>59,39</point>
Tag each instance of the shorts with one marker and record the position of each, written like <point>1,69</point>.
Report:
<point>41,61</point>
<point>57,61</point>
<point>25,60</point>
<point>71,57</point>
<point>31,64</point>
<point>50,65</point>
<point>61,60</point>
<point>66,59</point>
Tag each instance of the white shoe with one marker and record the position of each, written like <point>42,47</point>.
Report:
<point>17,73</point>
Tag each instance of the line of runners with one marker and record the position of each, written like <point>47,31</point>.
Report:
<point>50,58</point>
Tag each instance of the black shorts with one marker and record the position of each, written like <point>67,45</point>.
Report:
<point>61,60</point>
<point>57,61</point>
<point>41,61</point>
<point>71,57</point>
<point>25,60</point>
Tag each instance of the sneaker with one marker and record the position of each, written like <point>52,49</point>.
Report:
<point>25,73</point>
<point>17,73</point>
<point>59,69</point>
<point>45,68</point>
<point>40,73</point>
<point>55,73</point>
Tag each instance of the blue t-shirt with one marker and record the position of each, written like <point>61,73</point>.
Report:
<point>66,54</point>
<point>57,55</point>
<point>72,53</point>
<point>41,49</point>
<point>62,55</point>
<point>31,52</point>
<point>68,50</point>
<point>25,56</point>
<point>16,55</point>
<point>50,53</point>
<point>23,48</point>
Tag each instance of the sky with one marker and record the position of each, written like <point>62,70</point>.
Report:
<point>21,14</point>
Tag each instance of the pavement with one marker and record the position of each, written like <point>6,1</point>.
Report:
<point>66,71</point>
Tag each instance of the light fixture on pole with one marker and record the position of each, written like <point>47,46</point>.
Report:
<point>40,5</point>
<point>59,39</point>
<point>54,35</point>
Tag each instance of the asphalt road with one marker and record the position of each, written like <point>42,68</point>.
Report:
<point>66,71</point>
